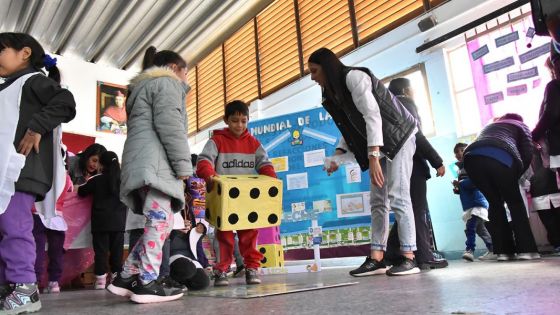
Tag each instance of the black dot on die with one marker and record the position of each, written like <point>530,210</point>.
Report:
<point>234,193</point>
<point>272,219</point>
<point>280,264</point>
<point>262,250</point>
<point>219,189</point>
<point>219,221</point>
<point>263,261</point>
<point>279,254</point>
<point>233,218</point>
<point>255,193</point>
<point>207,213</point>
<point>253,217</point>
<point>273,192</point>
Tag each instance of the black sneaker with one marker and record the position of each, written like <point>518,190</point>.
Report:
<point>154,292</point>
<point>407,266</point>
<point>252,276</point>
<point>24,298</point>
<point>433,264</point>
<point>239,271</point>
<point>370,267</point>
<point>123,286</point>
<point>170,282</point>
<point>220,279</point>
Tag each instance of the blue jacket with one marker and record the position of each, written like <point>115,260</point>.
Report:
<point>470,195</point>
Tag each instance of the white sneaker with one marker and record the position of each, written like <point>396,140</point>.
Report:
<point>53,287</point>
<point>488,256</point>
<point>528,256</point>
<point>100,282</point>
<point>468,255</point>
<point>505,257</point>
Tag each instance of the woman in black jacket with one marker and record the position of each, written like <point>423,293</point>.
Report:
<point>495,161</point>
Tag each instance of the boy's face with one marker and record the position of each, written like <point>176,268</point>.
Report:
<point>200,228</point>
<point>459,154</point>
<point>237,123</point>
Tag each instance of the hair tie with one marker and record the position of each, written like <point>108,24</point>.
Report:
<point>49,61</point>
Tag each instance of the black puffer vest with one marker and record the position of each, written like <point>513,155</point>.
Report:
<point>398,123</point>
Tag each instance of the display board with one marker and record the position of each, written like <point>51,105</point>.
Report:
<point>297,145</point>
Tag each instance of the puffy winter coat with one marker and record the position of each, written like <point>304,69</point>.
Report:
<point>156,151</point>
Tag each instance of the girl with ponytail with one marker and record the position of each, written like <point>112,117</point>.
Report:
<point>32,109</point>
<point>156,160</point>
<point>108,217</point>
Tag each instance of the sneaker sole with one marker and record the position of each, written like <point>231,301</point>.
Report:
<point>32,308</point>
<point>221,285</point>
<point>253,282</point>
<point>119,291</point>
<point>379,271</point>
<point>146,299</point>
<point>412,271</point>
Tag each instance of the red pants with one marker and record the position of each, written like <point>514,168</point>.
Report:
<point>247,248</point>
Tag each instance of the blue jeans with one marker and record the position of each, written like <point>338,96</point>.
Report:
<point>475,225</point>
<point>395,195</point>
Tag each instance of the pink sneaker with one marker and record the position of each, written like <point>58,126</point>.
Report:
<point>53,287</point>
<point>100,282</point>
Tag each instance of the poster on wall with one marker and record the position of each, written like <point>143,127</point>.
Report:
<point>509,73</point>
<point>111,108</point>
<point>298,144</point>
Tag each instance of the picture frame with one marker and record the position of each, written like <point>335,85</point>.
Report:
<point>111,108</point>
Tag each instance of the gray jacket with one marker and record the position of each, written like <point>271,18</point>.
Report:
<point>156,150</point>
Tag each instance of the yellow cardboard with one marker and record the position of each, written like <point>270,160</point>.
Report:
<point>273,255</point>
<point>241,202</point>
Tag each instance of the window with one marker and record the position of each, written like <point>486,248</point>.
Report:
<point>191,102</point>
<point>210,98</point>
<point>467,114</point>
<point>325,24</point>
<point>419,83</point>
<point>241,65</point>
<point>278,48</point>
<point>376,17</point>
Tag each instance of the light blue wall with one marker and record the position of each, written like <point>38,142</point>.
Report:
<point>386,56</point>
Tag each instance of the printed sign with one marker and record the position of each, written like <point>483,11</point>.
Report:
<point>493,98</point>
<point>534,53</point>
<point>498,65</point>
<point>523,74</point>
<point>517,90</point>
<point>479,53</point>
<point>506,39</point>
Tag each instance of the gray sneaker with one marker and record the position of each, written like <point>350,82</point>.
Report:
<point>252,276</point>
<point>220,279</point>
<point>488,256</point>
<point>24,298</point>
<point>468,255</point>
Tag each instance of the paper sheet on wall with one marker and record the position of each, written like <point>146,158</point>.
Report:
<point>296,181</point>
<point>280,164</point>
<point>353,173</point>
<point>313,158</point>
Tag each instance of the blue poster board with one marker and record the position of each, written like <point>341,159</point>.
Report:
<point>294,143</point>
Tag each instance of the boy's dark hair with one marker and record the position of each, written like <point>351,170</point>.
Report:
<point>512,116</point>
<point>152,57</point>
<point>236,107</point>
<point>112,169</point>
<point>458,146</point>
<point>18,41</point>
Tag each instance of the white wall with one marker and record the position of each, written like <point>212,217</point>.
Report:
<point>81,78</point>
<point>388,55</point>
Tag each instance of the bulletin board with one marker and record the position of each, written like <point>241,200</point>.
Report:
<point>297,145</point>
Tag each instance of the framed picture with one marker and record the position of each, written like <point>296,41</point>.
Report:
<point>111,108</point>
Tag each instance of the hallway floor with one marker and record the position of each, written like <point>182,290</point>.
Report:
<point>531,287</point>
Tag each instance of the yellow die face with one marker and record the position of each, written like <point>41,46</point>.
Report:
<point>273,255</point>
<point>241,202</point>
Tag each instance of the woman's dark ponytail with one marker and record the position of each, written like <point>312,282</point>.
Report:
<point>149,58</point>
<point>152,57</point>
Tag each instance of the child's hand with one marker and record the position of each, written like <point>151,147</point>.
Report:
<point>332,168</point>
<point>29,142</point>
<point>183,177</point>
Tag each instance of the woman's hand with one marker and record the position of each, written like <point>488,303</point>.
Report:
<point>440,171</point>
<point>331,169</point>
<point>29,142</point>
<point>375,172</point>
